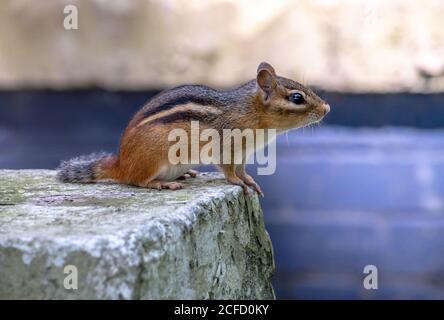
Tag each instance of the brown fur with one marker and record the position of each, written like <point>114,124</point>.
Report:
<point>259,104</point>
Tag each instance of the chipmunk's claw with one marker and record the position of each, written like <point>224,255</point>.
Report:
<point>238,182</point>
<point>256,188</point>
<point>249,181</point>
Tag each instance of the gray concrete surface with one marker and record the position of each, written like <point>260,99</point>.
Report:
<point>206,241</point>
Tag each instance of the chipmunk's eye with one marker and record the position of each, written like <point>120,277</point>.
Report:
<point>296,98</point>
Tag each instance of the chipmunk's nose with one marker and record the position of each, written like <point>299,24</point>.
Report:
<point>326,108</point>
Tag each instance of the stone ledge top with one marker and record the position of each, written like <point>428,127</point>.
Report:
<point>205,241</point>
<point>34,204</point>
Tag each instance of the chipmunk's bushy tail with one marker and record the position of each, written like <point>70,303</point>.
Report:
<point>88,168</point>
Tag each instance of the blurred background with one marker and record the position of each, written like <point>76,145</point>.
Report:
<point>366,187</point>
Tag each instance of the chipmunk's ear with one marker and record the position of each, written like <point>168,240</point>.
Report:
<point>266,79</point>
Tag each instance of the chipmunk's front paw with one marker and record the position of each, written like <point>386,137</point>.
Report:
<point>235,180</point>
<point>249,181</point>
<point>256,188</point>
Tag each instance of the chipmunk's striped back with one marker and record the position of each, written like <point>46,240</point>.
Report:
<point>194,102</point>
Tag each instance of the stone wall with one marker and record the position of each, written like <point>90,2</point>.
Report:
<point>138,44</point>
<point>206,241</point>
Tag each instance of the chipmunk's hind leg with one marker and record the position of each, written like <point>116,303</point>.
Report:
<point>164,178</point>
<point>159,185</point>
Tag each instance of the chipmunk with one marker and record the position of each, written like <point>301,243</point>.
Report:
<point>267,102</point>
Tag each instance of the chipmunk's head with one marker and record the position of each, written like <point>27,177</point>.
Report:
<point>287,104</point>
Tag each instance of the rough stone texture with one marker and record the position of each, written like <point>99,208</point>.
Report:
<point>128,44</point>
<point>206,241</point>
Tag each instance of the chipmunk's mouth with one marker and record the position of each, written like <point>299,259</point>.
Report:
<point>313,117</point>
<point>308,119</point>
<point>316,116</point>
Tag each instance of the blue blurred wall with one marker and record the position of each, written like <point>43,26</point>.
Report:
<point>344,198</point>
